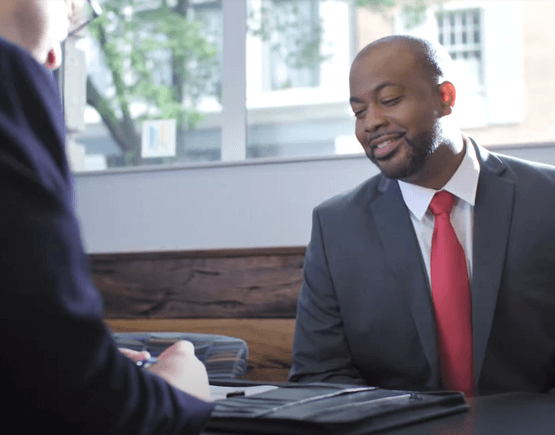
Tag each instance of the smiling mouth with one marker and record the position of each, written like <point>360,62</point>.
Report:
<point>384,149</point>
<point>384,144</point>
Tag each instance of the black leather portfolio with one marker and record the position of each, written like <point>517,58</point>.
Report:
<point>320,408</point>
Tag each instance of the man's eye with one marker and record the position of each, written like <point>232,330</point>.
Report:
<point>390,101</point>
<point>359,113</point>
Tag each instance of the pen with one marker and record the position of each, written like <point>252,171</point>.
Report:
<point>147,362</point>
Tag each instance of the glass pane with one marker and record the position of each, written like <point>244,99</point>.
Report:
<point>154,83</point>
<point>298,59</point>
<point>161,60</point>
<point>293,21</point>
<point>491,94</point>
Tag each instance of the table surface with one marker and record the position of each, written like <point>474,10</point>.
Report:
<point>506,414</point>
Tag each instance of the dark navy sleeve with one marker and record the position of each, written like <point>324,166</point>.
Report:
<point>60,368</point>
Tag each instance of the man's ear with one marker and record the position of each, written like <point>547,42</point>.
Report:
<point>448,96</point>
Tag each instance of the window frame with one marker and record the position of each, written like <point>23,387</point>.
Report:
<point>236,105</point>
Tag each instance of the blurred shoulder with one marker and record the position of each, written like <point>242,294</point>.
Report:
<point>32,126</point>
<point>14,57</point>
<point>355,198</point>
<point>523,171</point>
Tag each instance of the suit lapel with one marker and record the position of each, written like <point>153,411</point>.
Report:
<point>492,218</point>
<point>402,252</point>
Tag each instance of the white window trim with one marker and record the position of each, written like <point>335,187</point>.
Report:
<point>234,86</point>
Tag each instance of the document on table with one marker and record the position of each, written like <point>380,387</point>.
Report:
<point>219,393</point>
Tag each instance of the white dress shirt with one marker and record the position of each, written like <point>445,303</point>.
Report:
<point>463,185</point>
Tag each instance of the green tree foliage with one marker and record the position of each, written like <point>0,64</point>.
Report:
<point>158,55</point>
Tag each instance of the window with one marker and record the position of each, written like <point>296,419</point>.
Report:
<point>153,64</point>
<point>155,84</point>
<point>298,60</point>
<point>485,41</point>
<point>461,33</point>
<point>293,44</point>
<point>154,73</point>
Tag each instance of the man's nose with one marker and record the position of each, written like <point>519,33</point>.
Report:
<point>375,118</point>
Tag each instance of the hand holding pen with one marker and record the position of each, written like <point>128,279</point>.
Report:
<point>138,357</point>
<point>147,362</point>
<point>178,365</point>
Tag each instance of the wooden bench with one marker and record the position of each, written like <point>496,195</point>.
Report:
<point>246,293</point>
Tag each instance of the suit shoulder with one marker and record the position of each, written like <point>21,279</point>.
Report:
<point>32,131</point>
<point>362,194</point>
<point>528,171</point>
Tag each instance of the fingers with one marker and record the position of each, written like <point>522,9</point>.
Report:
<point>179,366</point>
<point>179,349</point>
<point>135,355</point>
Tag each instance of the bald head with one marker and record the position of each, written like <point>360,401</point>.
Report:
<point>402,96</point>
<point>431,58</point>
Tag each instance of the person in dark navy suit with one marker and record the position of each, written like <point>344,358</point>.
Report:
<point>61,372</point>
<point>365,312</point>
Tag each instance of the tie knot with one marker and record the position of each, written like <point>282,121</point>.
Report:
<point>442,202</point>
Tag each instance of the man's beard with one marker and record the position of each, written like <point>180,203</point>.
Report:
<point>420,149</point>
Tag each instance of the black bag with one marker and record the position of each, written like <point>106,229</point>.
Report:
<point>321,408</point>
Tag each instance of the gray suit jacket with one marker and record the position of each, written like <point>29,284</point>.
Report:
<point>365,314</point>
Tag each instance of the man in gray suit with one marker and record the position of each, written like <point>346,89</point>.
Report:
<point>366,312</point>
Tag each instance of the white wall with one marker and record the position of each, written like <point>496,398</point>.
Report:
<point>233,205</point>
<point>227,205</point>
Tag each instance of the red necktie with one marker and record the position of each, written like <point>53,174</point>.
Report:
<point>452,302</point>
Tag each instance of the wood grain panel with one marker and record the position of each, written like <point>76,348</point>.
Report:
<point>245,283</point>
<point>270,340</point>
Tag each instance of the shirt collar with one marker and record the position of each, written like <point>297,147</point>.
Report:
<point>463,184</point>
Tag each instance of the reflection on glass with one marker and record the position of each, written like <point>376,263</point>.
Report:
<point>298,58</point>
<point>293,35</point>
<point>153,60</point>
